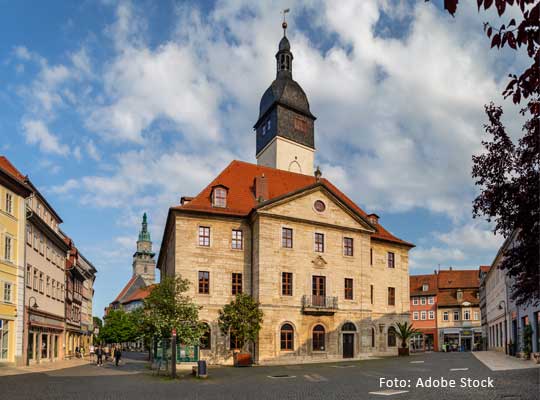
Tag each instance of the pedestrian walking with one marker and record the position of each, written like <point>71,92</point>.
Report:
<point>117,355</point>
<point>99,355</point>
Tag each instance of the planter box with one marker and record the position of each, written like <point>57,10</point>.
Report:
<point>242,360</point>
<point>403,351</point>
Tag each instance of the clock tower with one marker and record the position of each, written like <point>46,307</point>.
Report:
<point>285,127</point>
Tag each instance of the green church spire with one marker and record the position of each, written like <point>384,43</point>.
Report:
<point>144,235</point>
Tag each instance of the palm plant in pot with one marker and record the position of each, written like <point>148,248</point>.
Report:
<point>405,331</point>
<point>242,319</point>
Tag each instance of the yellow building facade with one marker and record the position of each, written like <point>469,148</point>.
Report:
<point>13,192</point>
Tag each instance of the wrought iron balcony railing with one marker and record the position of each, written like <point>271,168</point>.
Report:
<point>313,304</point>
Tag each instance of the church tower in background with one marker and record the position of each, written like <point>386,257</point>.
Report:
<point>144,263</point>
<point>285,127</point>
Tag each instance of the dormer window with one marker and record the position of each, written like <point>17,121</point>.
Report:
<point>425,287</point>
<point>219,197</point>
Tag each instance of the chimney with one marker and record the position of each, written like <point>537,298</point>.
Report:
<point>373,218</point>
<point>261,188</point>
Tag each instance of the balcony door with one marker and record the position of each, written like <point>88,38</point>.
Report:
<point>319,290</point>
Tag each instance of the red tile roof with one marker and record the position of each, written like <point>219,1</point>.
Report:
<point>125,289</point>
<point>484,268</point>
<point>7,166</point>
<point>239,178</point>
<point>449,298</point>
<point>139,294</point>
<point>417,281</point>
<point>458,279</point>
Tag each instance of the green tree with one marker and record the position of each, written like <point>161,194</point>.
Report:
<point>405,331</point>
<point>119,327</point>
<point>166,308</point>
<point>241,318</point>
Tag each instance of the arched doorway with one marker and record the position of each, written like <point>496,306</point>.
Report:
<point>348,330</point>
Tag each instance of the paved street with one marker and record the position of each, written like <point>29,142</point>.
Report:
<point>354,380</point>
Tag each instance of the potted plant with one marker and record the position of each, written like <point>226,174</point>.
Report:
<point>405,331</point>
<point>527,342</point>
<point>242,318</point>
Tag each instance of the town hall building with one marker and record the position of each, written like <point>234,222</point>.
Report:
<point>330,279</point>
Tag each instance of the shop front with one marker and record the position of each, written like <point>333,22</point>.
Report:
<point>44,339</point>
<point>424,340</point>
<point>459,339</point>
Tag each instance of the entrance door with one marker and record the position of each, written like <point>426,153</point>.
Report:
<point>348,345</point>
<point>466,343</point>
<point>319,290</point>
<point>429,342</point>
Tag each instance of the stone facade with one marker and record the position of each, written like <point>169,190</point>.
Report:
<point>263,259</point>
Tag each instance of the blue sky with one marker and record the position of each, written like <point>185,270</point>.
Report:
<point>117,108</point>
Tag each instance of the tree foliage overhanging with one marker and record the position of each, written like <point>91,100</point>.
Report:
<point>508,173</point>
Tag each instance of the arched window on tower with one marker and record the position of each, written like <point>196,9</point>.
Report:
<point>282,62</point>
<point>287,63</point>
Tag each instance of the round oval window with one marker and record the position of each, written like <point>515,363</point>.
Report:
<point>320,206</point>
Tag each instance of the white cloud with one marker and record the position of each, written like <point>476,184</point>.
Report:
<point>92,150</point>
<point>22,53</point>
<point>66,188</point>
<point>36,132</point>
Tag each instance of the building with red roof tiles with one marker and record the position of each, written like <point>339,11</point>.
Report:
<point>423,289</point>
<point>458,310</point>
<point>331,280</point>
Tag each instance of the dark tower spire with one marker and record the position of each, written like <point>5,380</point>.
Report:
<point>284,56</point>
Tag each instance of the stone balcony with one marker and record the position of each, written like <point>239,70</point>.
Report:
<point>319,305</point>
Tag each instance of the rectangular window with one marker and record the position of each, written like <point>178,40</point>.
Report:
<point>423,315</point>
<point>445,316</point>
<point>348,289</point>
<point>204,282</point>
<point>35,286</point>
<point>41,245</point>
<point>415,301</point>
<point>286,283</point>
<point>36,241</point>
<point>432,315</point>
<point>415,316</point>
<point>431,300</point>
<point>371,293</point>
<point>300,124</point>
<point>348,246</point>
<point>53,291</point>
<point>423,301</point>
<point>237,239</point>
<point>371,256</point>
<point>391,296</point>
<point>204,236</point>
<point>29,276</point>
<point>319,242</point>
<point>7,292</point>
<point>475,315</point>
<point>456,315</point>
<point>41,282</point>
<point>9,203</point>
<point>236,283</point>
<point>466,315</point>
<point>287,238</point>
<point>391,260</point>
<point>48,251</point>
<point>48,288</point>
<point>7,248</point>
<point>29,234</point>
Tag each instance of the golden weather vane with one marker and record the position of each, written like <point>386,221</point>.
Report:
<point>284,24</point>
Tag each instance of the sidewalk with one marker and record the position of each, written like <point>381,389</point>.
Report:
<point>45,367</point>
<point>497,361</point>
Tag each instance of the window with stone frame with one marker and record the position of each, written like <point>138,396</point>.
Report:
<point>41,282</point>
<point>318,338</point>
<point>36,282</point>
<point>7,292</point>
<point>287,238</point>
<point>236,283</point>
<point>48,287</point>
<point>445,316</point>
<point>391,260</point>
<point>204,236</point>
<point>466,315</point>
<point>391,296</point>
<point>432,315</point>
<point>29,234</point>
<point>392,337</point>
<point>423,315</point>
<point>286,283</point>
<point>431,300</point>
<point>415,316</point>
<point>29,276</point>
<point>9,203</point>
<point>423,301</point>
<point>348,246</point>
<point>476,318</point>
<point>456,315</point>
<point>219,195</point>
<point>319,242</point>
<point>204,282</point>
<point>348,289</point>
<point>237,239</point>
<point>286,337</point>
<point>415,301</point>
<point>7,248</point>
